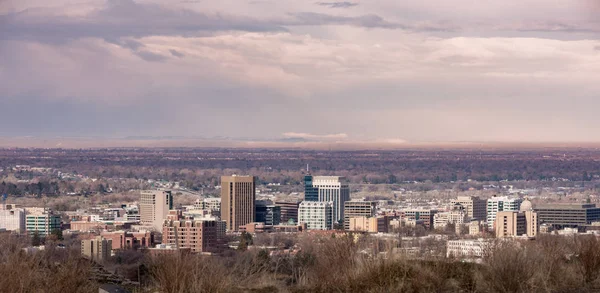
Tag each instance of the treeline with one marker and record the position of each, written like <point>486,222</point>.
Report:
<point>326,264</point>
<point>55,187</point>
<point>44,187</point>
<point>341,264</point>
<point>197,168</point>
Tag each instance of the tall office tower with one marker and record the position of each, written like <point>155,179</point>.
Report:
<point>154,207</point>
<point>356,209</point>
<point>475,207</point>
<point>289,211</point>
<point>330,188</point>
<point>500,204</point>
<point>311,193</point>
<point>97,249</point>
<point>317,215</point>
<point>237,200</point>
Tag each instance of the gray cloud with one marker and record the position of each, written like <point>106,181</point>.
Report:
<point>138,49</point>
<point>125,18</point>
<point>344,4</point>
<point>149,56</point>
<point>130,44</point>
<point>369,21</point>
<point>176,53</point>
<point>556,26</point>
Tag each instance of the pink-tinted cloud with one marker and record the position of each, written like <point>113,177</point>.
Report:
<point>418,70</point>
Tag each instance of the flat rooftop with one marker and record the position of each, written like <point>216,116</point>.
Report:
<point>565,206</point>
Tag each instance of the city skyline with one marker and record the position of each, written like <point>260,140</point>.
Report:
<point>299,146</point>
<point>387,71</point>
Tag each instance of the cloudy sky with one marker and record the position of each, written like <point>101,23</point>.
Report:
<point>431,70</point>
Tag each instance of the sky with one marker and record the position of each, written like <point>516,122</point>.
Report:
<point>383,70</point>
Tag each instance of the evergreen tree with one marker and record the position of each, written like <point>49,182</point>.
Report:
<point>36,240</point>
<point>57,233</point>
<point>245,240</point>
<point>243,246</point>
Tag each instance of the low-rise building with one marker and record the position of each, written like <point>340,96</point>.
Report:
<point>198,235</point>
<point>467,248</point>
<point>211,203</point>
<point>416,215</point>
<point>41,220</point>
<point>474,228</point>
<point>97,249</point>
<point>358,209</point>
<point>289,212</point>
<point>457,216</point>
<point>86,226</point>
<point>12,219</point>
<point>268,213</point>
<point>371,224</point>
<point>256,227</point>
<point>567,215</point>
<point>167,249</point>
<point>130,239</point>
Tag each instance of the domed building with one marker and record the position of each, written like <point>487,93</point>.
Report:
<point>526,205</point>
<point>521,223</point>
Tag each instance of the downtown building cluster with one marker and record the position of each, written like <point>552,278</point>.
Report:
<point>155,223</point>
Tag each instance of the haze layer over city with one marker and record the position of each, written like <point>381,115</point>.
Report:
<point>299,146</point>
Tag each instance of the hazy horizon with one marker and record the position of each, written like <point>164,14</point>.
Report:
<point>390,73</point>
<point>274,143</point>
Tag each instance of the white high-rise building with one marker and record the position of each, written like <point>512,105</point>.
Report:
<point>500,204</point>
<point>334,189</point>
<point>317,215</point>
<point>12,219</point>
<point>154,207</point>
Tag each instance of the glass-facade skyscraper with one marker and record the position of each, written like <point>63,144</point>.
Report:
<point>311,193</point>
<point>328,189</point>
